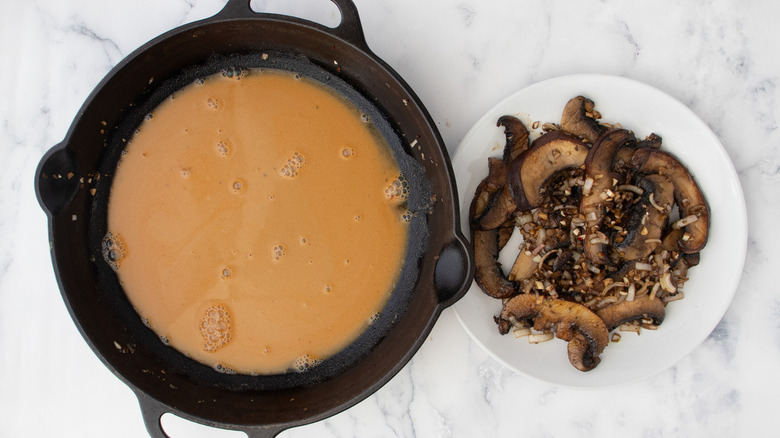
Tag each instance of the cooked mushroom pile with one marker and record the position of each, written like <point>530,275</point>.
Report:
<point>610,225</point>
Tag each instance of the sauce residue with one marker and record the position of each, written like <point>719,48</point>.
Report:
<point>257,222</point>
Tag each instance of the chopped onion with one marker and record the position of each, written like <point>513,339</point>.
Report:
<point>629,328</point>
<point>631,292</point>
<point>653,203</point>
<point>586,188</point>
<point>630,188</point>
<point>666,282</point>
<point>536,338</point>
<point>654,291</point>
<point>520,332</point>
<point>687,220</point>
<point>612,286</point>
<point>641,266</point>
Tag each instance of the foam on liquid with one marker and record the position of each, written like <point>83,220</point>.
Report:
<point>257,223</point>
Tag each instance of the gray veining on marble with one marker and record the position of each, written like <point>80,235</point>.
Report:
<point>461,57</point>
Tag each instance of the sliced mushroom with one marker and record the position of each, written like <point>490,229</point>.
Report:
<point>647,218</point>
<point>524,266</point>
<point>564,258</point>
<point>568,319</point>
<point>487,190</point>
<point>600,180</point>
<point>501,205</point>
<point>579,118</point>
<point>626,311</point>
<point>499,211</point>
<point>689,197</point>
<point>651,141</point>
<point>504,234</point>
<point>516,137</point>
<point>488,273</point>
<point>550,153</point>
<point>580,354</point>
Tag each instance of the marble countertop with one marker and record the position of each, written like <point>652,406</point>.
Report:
<point>461,57</point>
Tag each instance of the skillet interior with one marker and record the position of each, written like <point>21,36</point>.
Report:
<point>144,338</point>
<point>200,393</point>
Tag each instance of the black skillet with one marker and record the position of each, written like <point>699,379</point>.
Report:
<point>73,182</point>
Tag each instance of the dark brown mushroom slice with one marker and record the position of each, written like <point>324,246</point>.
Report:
<point>580,354</point>
<point>644,307</point>
<point>566,257</point>
<point>501,205</point>
<point>647,218</point>
<point>503,325</point>
<point>488,189</point>
<point>653,141</point>
<point>504,234</point>
<point>548,154</point>
<point>691,259</point>
<point>488,273</point>
<point>568,320</point>
<point>689,197</point>
<point>579,118</point>
<point>500,209</point>
<point>599,180</point>
<point>517,137</point>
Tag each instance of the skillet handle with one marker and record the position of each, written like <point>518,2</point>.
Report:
<point>349,28</point>
<point>454,270</point>
<point>152,412</point>
<point>57,179</point>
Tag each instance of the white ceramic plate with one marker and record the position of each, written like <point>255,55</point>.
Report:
<point>712,283</point>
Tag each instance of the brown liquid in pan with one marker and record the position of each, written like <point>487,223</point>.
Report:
<point>256,222</point>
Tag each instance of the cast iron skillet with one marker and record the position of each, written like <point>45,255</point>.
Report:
<point>73,181</point>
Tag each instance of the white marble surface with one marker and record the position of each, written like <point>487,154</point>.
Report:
<point>461,57</point>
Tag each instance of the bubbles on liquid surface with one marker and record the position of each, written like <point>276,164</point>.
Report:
<point>398,189</point>
<point>328,288</point>
<point>293,165</point>
<point>407,216</point>
<point>305,362</point>
<point>186,172</point>
<point>114,250</point>
<point>165,340</point>
<point>234,73</point>
<point>215,328</point>
<point>223,148</point>
<point>224,369</point>
<point>279,251</point>
<point>373,318</point>
<point>238,186</point>
<point>226,273</point>
<point>364,118</point>
<point>347,152</point>
<point>214,103</point>
<point>149,116</point>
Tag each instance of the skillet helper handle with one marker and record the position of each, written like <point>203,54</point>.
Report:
<point>57,179</point>
<point>349,29</point>
<point>152,412</point>
<point>454,271</point>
